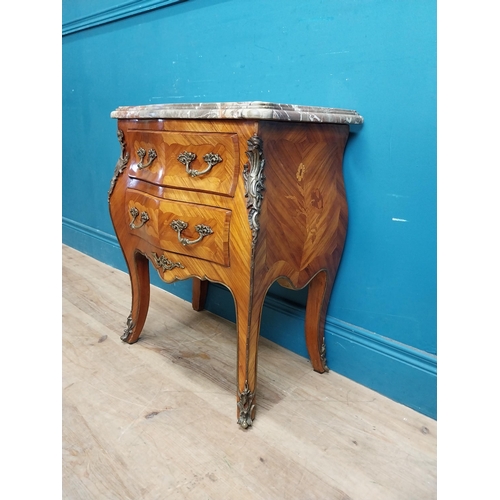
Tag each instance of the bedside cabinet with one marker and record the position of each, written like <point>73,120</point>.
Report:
<point>242,194</point>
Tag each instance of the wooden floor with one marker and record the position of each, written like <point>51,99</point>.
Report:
<point>157,419</point>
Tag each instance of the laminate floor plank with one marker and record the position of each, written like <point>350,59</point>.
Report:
<point>157,419</point>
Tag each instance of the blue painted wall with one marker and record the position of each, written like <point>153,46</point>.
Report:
<point>375,56</point>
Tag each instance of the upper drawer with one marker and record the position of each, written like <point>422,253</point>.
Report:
<point>196,161</point>
<point>184,228</point>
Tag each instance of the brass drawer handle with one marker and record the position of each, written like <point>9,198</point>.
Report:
<point>134,213</point>
<point>201,229</point>
<point>141,153</point>
<point>211,159</point>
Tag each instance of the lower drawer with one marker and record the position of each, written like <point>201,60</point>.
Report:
<point>183,228</point>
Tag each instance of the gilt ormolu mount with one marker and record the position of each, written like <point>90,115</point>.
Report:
<point>242,194</point>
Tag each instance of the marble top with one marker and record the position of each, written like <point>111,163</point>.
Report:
<point>257,110</point>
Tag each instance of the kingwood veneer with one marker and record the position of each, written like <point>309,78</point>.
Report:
<point>242,194</point>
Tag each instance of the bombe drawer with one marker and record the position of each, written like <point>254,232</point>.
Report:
<point>196,161</point>
<point>183,228</point>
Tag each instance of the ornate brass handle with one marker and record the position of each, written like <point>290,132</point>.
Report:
<point>141,153</point>
<point>201,229</point>
<point>186,158</point>
<point>134,213</point>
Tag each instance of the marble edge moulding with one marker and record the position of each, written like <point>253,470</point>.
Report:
<point>240,110</point>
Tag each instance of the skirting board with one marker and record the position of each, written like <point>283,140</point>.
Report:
<point>397,371</point>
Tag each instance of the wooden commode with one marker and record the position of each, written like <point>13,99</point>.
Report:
<point>241,194</point>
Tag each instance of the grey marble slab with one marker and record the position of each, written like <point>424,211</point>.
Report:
<point>256,110</point>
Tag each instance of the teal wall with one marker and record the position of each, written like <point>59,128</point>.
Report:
<point>375,56</point>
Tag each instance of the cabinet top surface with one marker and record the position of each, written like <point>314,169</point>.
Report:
<point>254,110</point>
